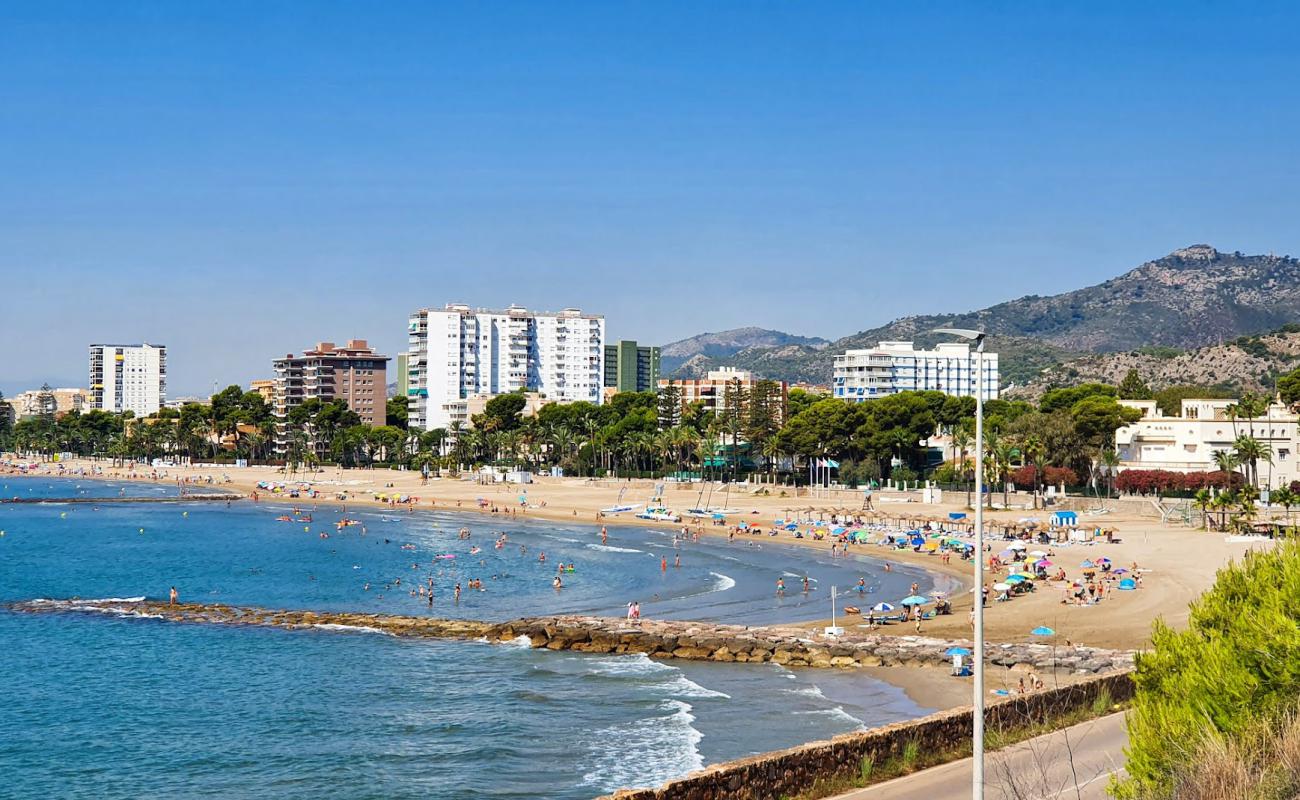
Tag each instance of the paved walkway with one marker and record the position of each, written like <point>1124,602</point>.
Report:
<point>1037,769</point>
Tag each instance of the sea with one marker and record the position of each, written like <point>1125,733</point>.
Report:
<point>126,707</point>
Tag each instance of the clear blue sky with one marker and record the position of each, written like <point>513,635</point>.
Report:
<point>239,179</point>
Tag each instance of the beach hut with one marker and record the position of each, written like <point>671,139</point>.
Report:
<point>1064,519</point>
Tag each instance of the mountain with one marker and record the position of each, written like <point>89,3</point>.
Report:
<point>1248,362</point>
<point>1193,297</point>
<point>724,344</point>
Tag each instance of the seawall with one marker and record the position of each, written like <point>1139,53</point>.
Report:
<point>697,641</point>
<point>785,773</point>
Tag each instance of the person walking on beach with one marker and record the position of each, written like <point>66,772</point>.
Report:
<point>172,596</point>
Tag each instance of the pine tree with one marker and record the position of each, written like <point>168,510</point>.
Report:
<point>1133,387</point>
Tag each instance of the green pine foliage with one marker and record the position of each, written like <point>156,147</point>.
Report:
<point>1236,664</point>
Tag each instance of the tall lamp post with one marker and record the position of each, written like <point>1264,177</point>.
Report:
<point>977,716</point>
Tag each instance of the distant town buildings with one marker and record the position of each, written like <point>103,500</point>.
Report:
<point>54,402</point>
<point>266,388</point>
<point>403,376</point>
<point>457,352</point>
<point>353,373</point>
<point>899,367</point>
<point>128,377</point>
<point>630,367</point>
<point>711,390</point>
<point>1188,443</point>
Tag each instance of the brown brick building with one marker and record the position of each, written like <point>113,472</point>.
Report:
<point>353,373</point>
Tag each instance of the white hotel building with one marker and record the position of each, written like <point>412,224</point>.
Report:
<point>1188,442</point>
<point>128,377</point>
<point>457,353</point>
<point>899,367</point>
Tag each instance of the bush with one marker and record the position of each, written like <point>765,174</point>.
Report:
<point>1236,665</point>
<point>1156,481</point>
<point>904,474</point>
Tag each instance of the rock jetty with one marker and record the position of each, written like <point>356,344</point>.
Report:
<point>697,641</point>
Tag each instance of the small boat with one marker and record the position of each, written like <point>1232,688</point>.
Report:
<point>659,514</point>
<point>284,519</point>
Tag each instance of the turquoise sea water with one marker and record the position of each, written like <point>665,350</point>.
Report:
<point>97,706</point>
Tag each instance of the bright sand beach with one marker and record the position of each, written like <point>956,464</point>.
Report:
<point>1179,562</point>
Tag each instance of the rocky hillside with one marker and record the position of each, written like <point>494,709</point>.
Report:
<point>1193,297</point>
<point>707,350</point>
<point>1249,362</point>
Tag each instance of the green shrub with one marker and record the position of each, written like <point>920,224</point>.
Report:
<point>1238,662</point>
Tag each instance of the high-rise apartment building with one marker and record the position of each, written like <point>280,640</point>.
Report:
<point>457,352</point>
<point>630,367</point>
<point>128,377</point>
<point>899,367</point>
<point>353,373</point>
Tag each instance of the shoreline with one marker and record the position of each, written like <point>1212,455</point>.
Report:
<point>1180,561</point>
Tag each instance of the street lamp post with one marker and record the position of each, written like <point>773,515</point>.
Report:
<point>977,715</point>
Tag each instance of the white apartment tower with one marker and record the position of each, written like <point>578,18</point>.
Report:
<point>899,367</point>
<point>457,352</point>
<point>128,377</point>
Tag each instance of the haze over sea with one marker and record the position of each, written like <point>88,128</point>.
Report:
<point>102,706</point>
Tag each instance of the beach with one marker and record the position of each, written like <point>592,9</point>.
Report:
<point>1178,562</point>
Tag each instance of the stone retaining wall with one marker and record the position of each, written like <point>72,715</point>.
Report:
<point>788,772</point>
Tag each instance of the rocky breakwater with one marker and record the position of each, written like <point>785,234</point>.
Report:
<point>795,647</point>
<point>697,641</point>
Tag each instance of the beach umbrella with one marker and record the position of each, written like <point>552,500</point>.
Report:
<point>1016,546</point>
<point>1001,587</point>
<point>1120,571</point>
<point>1043,630</point>
<point>1015,579</point>
<point>1103,560</point>
<point>1128,584</point>
<point>883,607</point>
<point>1039,553</point>
<point>915,600</point>
<point>1042,562</point>
<point>1087,564</point>
<point>838,530</point>
<point>957,651</point>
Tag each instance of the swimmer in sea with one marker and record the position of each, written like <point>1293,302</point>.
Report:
<point>780,585</point>
<point>805,584</point>
<point>862,585</point>
<point>677,561</point>
<point>557,583</point>
<point>663,564</point>
<point>457,593</point>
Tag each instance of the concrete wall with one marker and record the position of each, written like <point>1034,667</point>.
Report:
<point>788,772</point>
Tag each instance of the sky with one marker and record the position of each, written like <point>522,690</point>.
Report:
<point>238,180</point>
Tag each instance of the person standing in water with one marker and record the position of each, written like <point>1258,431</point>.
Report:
<point>677,561</point>
<point>604,535</point>
<point>457,593</point>
<point>663,564</point>
<point>172,596</point>
<point>780,585</point>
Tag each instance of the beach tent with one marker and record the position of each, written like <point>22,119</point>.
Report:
<point>1128,584</point>
<point>1043,630</point>
<point>915,600</point>
<point>1065,518</point>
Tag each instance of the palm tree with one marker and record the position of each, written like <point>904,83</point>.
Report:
<point>1226,461</point>
<point>1249,452</point>
<point>1034,452</point>
<point>1202,500</point>
<point>1283,496</point>
<point>772,451</point>
<point>1110,460</point>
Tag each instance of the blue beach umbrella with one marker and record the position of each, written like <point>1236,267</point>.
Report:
<point>915,600</point>
<point>1043,630</point>
<point>838,530</point>
<point>957,651</point>
<point>883,607</point>
<point>1128,585</point>
<point>1014,579</point>
<point>1087,565</point>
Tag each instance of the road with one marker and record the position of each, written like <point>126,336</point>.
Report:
<point>1037,769</point>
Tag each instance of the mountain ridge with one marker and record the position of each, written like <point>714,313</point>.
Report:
<point>1192,297</point>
